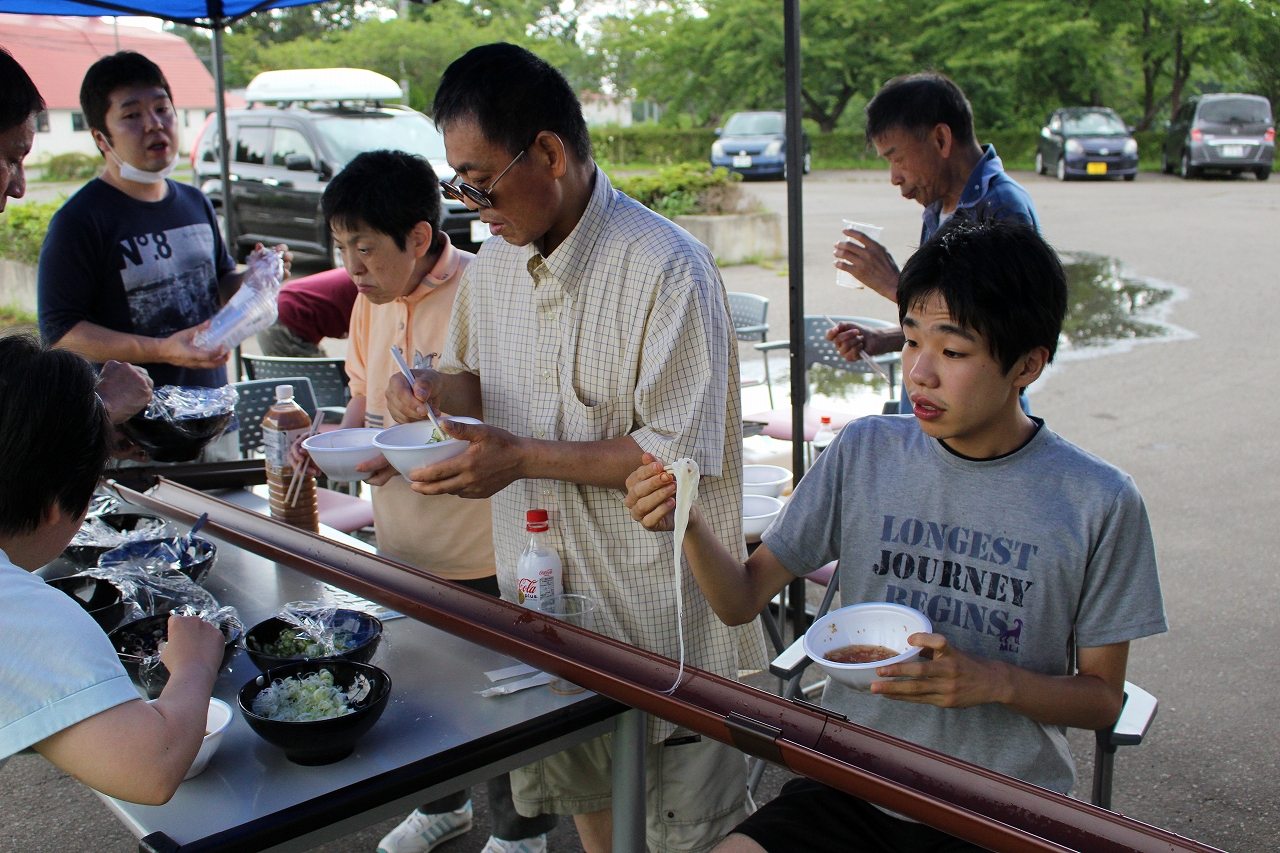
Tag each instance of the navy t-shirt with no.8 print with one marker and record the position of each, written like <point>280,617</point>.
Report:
<point>143,268</point>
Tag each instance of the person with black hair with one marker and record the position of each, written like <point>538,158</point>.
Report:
<point>922,125</point>
<point>384,211</point>
<point>20,101</point>
<point>65,691</point>
<point>592,331</point>
<point>1032,558</point>
<point>134,264</point>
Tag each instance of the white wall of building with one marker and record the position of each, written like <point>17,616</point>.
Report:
<point>598,110</point>
<point>62,138</point>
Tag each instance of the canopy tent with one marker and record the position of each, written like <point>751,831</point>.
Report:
<point>216,14</point>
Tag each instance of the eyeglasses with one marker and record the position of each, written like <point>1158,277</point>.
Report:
<point>467,193</point>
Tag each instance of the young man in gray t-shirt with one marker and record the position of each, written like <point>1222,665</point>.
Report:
<point>1032,558</point>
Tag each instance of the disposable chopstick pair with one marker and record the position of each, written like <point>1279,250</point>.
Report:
<point>862,354</point>
<point>408,375</point>
<point>295,484</point>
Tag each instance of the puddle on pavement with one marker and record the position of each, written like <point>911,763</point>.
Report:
<point>1105,306</point>
<point>1108,310</point>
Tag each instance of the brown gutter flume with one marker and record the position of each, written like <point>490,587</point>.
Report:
<point>994,811</point>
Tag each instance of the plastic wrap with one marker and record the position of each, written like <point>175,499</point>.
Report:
<point>149,586</point>
<point>252,308</point>
<point>152,673</point>
<point>102,503</point>
<point>178,403</point>
<point>96,532</point>
<point>318,630</point>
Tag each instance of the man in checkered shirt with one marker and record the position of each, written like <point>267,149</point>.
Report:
<point>593,332</point>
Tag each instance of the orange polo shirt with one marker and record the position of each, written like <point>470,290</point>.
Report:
<point>444,534</point>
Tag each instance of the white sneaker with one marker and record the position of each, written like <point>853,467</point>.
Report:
<point>524,845</point>
<point>420,832</point>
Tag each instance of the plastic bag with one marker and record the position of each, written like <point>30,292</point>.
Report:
<point>96,532</point>
<point>318,630</point>
<point>177,403</point>
<point>252,308</point>
<point>152,673</point>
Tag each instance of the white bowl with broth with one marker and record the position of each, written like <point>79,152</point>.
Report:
<point>858,629</point>
<point>409,447</point>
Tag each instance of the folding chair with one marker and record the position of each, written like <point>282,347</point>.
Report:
<point>748,313</point>
<point>328,378</point>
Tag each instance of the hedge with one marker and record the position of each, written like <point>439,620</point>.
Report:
<point>22,229</point>
<point>652,145</point>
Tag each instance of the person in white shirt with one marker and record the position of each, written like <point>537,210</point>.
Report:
<point>65,691</point>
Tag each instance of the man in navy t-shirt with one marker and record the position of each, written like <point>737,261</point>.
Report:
<point>133,263</point>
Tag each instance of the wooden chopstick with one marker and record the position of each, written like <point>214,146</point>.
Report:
<point>295,484</point>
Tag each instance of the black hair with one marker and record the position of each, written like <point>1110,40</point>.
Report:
<point>919,103</point>
<point>19,97</point>
<point>126,68</point>
<point>53,433</point>
<point>390,191</point>
<point>513,96</point>
<point>998,277</point>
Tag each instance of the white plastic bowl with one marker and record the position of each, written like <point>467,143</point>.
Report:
<point>758,512</point>
<point>872,624</point>
<point>764,480</point>
<point>338,453</point>
<point>406,446</point>
<point>218,721</point>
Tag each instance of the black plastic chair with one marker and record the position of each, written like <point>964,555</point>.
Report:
<point>328,377</point>
<point>748,313</point>
<point>257,396</point>
<point>819,350</point>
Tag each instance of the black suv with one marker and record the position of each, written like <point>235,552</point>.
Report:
<point>1230,133</point>
<point>282,157</point>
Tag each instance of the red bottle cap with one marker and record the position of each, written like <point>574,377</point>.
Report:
<point>536,520</point>
<point>826,419</point>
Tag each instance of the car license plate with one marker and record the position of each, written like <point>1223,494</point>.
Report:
<point>1232,150</point>
<point>479,231</point>
<point>742,161</point>
<point>1096,168</point>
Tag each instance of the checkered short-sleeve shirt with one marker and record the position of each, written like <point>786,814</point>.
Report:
<point>623,330</point>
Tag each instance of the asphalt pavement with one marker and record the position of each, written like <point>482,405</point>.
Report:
<point>1192,420</point>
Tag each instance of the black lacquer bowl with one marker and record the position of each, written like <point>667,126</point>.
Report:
<point>366,634</point>
<point>102,599</point>
<point>319,741</point>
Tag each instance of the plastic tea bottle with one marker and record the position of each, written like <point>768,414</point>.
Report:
<point>284,423</point>
<point>539,574</point>
<point>824,435</point>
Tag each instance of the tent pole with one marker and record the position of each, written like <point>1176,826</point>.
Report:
<point>224,145</point>
<point>795,233</point>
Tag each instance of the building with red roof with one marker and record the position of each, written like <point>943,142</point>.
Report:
<point>57,51</point>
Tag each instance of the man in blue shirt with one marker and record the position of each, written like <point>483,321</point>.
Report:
<point>923,125</point>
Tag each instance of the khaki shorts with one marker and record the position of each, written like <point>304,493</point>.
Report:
<point>697,790</point>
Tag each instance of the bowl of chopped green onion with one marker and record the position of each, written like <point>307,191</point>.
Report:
<point>315,711</point>
<point>351,635</point>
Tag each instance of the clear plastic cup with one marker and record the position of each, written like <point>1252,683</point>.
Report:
<point>577,610</point>
<point>843,278</point>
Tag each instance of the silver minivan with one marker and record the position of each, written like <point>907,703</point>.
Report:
<point>1223,133</point>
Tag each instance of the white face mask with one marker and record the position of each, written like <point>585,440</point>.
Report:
<point>133,173</point>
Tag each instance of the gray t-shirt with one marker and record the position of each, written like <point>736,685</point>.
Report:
<point>1009,558</point>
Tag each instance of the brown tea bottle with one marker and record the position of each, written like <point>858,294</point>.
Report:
<point>285,423</point>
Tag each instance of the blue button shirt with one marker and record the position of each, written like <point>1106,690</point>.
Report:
<point>988,192</point>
